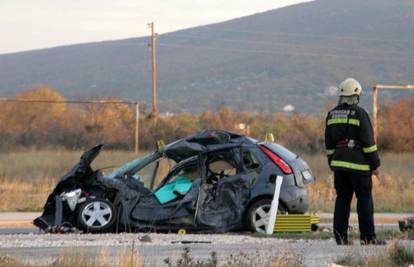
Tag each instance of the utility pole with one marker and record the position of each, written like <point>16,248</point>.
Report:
<point>375,111</point>
<point>153,46</point>
<point>136,127</point>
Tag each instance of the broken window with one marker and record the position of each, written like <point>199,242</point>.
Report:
<point>153,173</point>
<point>222,164</point>
<point>250,160</point>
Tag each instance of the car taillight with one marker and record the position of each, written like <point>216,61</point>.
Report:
<point>277,160</point>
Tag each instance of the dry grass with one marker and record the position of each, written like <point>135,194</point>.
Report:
<point>32,164</point>
<point>131,258</point>
<point>30,175</point>
<point>394,191</point>
<point>22,195</point>
<point>396,255</point>
<point>124,258</point>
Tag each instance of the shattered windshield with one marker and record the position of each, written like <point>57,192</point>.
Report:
<point>150,169</point>
<point>131,166</point>
<point>154,172</point>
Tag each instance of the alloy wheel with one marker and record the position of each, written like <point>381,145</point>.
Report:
<point>260,218</point>
<point>96,214</point>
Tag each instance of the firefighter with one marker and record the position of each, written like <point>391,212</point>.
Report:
<point>353,157</point>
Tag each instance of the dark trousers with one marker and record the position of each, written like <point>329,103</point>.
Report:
<point>346,183</point>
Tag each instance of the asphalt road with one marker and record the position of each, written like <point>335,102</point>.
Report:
<point>33,230</point>
<point>18,230</point>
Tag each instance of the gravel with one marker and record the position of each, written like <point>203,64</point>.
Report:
<point>154,248</point>
<point>122,239</point>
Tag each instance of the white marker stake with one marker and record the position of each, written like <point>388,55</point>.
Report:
<point>275,205</point>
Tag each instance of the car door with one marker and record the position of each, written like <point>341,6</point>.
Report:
<point>224,191</point>
<point>162,210</point>
<point>180,199</point>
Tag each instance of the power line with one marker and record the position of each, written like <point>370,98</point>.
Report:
<point>294,45</point>
<point>346,37</point>
<point>286,53</point>
<point>69,101</point>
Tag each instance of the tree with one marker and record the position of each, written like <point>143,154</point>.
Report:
<point>36,121</point>
<point>396,131</point>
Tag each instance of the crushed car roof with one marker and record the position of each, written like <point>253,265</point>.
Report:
<point>205,140</point>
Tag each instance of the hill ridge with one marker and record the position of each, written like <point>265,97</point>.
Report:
<point>262,62</point>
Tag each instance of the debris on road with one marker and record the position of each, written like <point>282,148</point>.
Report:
<point>407,224</point>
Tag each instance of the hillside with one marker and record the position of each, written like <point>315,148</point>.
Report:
<point>261,62</point>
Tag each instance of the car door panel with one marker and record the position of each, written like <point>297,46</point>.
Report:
<point>221,202</point>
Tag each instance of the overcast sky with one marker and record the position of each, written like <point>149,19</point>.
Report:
<point>32,24</point>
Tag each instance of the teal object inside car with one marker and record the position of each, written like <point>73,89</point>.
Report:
<point>181,185</point>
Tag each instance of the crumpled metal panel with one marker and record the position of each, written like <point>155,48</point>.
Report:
<point>221,206</point>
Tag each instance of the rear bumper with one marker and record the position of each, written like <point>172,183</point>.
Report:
<point>298,201</point>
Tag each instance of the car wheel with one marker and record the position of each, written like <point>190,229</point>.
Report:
<point>258,214</point>
<point>96,215</point>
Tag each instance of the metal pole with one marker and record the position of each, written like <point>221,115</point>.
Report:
<point>136,127</point>
<point>375,90</point>
<point>375,111</point>
<point>154,71</point>
<point>394,86</point>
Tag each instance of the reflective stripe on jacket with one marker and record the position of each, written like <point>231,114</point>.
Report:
<point>349,124</point>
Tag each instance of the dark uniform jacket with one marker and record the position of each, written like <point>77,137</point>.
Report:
<point>349,140</point>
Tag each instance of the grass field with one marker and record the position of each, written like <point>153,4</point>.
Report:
<point>27,176</point>
<point>393,190</point>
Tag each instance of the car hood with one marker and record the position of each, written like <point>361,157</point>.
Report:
<point>83,166</point>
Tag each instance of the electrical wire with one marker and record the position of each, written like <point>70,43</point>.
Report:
<point>346,37</point>
<point>122,102</point>
<point>287,53</point>
<point>372,51</point>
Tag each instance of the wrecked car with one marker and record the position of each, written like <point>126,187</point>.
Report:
<point>212,181</point>
<point>407,224</point>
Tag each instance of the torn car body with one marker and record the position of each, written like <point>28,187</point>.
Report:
<point>213,181</point>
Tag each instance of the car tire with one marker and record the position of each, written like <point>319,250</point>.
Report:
<point>96,215</point>
<point>255,218</point>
